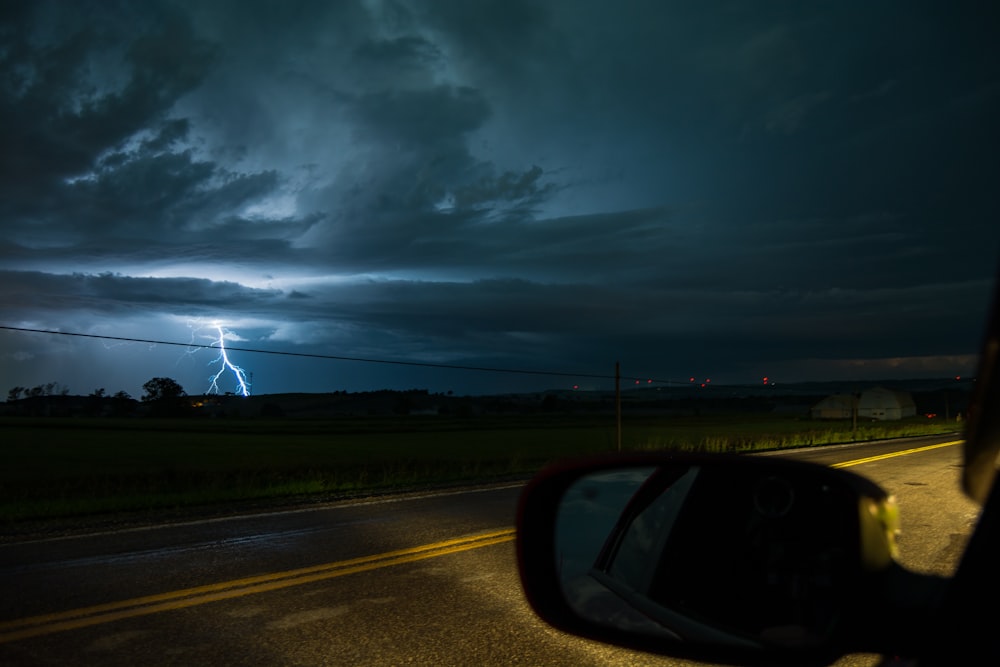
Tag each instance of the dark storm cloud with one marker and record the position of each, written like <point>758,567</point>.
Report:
<point>388,55</point>
<point>418,184</point>
<point>163,192</point>
<point>524,189</point>
<point>116,294</point>
<point>420,118</point>
<point>678,185</point>
<point>61,111</point>
<point>90,149</point>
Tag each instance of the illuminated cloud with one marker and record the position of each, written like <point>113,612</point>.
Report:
<point>708,189</point>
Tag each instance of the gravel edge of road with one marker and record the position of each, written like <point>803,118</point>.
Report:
<point>27,531</point>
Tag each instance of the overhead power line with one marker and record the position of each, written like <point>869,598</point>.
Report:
<point>333,357</point>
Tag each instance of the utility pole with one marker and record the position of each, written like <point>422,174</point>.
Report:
<point>618,402</point>
<point>855,398</point>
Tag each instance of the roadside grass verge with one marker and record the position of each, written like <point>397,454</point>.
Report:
<point>51,468</point>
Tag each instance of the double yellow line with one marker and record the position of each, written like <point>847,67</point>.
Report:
<point>905,452</point>
<point>46,624</point>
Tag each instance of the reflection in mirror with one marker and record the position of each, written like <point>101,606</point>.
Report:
<point>746,557</point>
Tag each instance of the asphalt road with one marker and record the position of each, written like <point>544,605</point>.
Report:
<point>421,579</point>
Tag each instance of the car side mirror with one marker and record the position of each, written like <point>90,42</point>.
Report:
<point>727,558</point>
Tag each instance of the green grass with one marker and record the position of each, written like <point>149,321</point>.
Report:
<point>758,433</point>
<point>71,467</point>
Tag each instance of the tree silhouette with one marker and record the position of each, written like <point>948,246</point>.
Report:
<point>165,398</point>
<point>162,389</point>
<point>122,404</point>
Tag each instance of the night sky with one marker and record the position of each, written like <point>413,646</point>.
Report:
<point>724,190</point>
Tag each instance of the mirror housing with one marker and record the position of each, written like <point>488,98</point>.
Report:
<point>724,558</point>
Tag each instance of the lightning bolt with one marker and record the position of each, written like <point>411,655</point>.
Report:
<point>241,375</point>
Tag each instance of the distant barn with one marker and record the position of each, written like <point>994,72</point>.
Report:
<point>877,403</point>
<point>837,406</point>
<point>882,404</point>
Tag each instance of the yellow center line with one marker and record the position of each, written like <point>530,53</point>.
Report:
<point>45,624</point>
<point>905,452</point>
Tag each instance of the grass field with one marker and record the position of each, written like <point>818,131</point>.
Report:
<point>71,467</point>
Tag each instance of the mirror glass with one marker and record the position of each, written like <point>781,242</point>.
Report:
<point>721,554</point>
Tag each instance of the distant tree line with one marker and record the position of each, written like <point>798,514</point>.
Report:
<point>163,397</point>
<point>50,389</point>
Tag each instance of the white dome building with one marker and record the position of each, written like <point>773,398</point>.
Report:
<point>883,404</point>
<point>877,403</point>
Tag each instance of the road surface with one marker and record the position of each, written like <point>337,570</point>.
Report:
<point>420,579</point>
